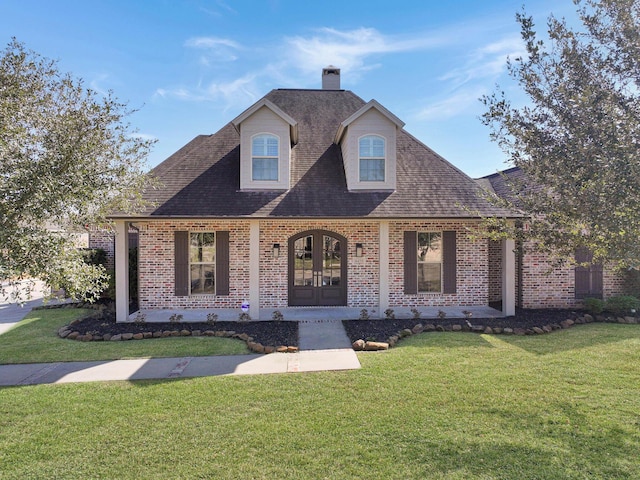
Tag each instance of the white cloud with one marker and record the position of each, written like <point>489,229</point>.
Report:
<point>214,49</point>
<point>452,105</point>
<point>235,92</point>
<point>351,48</point>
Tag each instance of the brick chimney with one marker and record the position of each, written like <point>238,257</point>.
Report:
<point>331,78</point>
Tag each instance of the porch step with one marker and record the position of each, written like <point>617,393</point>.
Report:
<point>322,335</point>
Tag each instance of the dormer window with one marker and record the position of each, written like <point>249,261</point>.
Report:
<point>264,157</point>
<point>372,158</point>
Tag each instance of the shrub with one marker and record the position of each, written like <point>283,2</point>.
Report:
<point>94,256</point>
<point>622,304</point>
<point>388,314</point>
<point>594,305</point>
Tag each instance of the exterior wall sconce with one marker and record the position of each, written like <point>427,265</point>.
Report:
<point>358,249</point>
<point>276,250</point>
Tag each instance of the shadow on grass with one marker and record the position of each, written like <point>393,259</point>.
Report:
<point>575,338</point>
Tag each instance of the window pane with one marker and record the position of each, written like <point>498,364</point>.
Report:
<point>264,146</point>
<point>202,279</point>
<point>430,247</point>
<point>303,269</point>
<point>429,275</point>
<point>202,248</point>
<point>371,147</point>
<point>330,261</point>
<point>265,168</point>
<point>372,170</point>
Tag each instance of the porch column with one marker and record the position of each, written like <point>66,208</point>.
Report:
<point>384,266</point>
<point>254,269</point>
<point>122,270</point>
<point>508,277</point>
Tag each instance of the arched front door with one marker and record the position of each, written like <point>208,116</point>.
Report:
<point>317,269</point>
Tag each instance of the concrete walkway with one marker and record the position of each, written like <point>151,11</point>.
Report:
<point>323,346</point>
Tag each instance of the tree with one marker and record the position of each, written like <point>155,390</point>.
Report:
<point>578,138</point>
<point>67,159</point>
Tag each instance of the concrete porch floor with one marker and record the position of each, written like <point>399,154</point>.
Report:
<point>313,313</point>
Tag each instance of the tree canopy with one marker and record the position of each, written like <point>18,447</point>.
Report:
<point>577,138</point>
<point>67,159</point>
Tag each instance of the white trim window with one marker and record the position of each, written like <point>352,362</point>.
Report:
<point>371,155</point>
<point>430,262</point>
<point>265,152</point>
<point>202,263</point>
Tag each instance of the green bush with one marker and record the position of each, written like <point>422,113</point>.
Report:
<point>94,256</point>
<point>594,305</point>
<point>622,304</point>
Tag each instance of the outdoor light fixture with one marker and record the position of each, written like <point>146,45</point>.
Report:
<point>276,250</point>
<point>358,249</point>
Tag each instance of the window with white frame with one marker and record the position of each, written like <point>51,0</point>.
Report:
<point>265,152</point>
<point>371,153</point>
<point>430,262</point>
<point>202,262</point>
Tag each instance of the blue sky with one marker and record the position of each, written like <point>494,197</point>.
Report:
<point>191,66</point>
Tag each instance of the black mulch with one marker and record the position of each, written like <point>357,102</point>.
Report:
<point>286,332</point>
<point>381,330</point>
<point>264,332</point>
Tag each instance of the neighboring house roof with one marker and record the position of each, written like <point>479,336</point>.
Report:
<point>506,182</point>
<point>202,179</point>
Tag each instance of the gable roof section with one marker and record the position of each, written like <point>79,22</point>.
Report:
<point>293,125</point>
<point>202,179</point>
<point>368,106</point>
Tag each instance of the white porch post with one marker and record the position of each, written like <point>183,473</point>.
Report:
<point>384,267</point>
<point>254,269</point>
<point>122,270</point>
<point>508,277</point>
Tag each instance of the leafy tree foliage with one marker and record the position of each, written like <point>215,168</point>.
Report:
<point>67,159</point>
<point>577,139</point>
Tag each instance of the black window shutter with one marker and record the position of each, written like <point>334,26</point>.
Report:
<point>588,280</point>
<point>222,263</point>
<point>181,247</point>
<point>410,262</point>
<point>449,267</point>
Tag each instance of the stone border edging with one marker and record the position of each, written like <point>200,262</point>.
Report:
<point>362,345</point>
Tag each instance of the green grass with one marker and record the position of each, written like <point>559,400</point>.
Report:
<point>35,340</point>
<point>441,405</point>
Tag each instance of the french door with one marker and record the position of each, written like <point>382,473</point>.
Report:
<point>317,269</point>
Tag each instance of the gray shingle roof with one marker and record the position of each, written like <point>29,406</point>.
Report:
<point>202,179</point>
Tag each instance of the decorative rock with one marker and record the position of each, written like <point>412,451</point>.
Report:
<point>374,346</point>
<point>185,333</point>
<point>631,319</point>
<point>291,349</point>
<point>439,328</point>
<point>580,321</point>
<point>538,330</point>
<point>147,335</point>
<point>358,345</point>
<point>138,336</point>
<point>556,326</point>
<point>174,333</point>
<point>196,333</point>
<point>488,330</point>
<point>394,339</point>
<point>255,347</point>
<point>73,335</point>
<point>419,328</point>
<point>587,318</point>
<point>106,337</point>
<point>477,329</point>
<point>519,331</point>
<point>85,338</point>
<point>64,333</point>
<point>281,349</point>
<point>429,327</point>
<point>269,349</point>
<point>405,333</point>
<point>566,323</point>
<point>127,336</point>
<point>116,338</point>
<point>456,328</point>
<point>507,331</point>
<point>61,330</point>
<point>209,333</point>
<point>547,328</point>
<point>497,330</point>
<point>98,338</point>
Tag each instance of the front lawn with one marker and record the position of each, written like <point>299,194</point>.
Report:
<point>441,405</point>
<point>35,340</point>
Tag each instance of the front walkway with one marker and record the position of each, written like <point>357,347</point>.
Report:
<point>324,346</point>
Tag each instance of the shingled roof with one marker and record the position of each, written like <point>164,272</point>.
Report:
<point>202,179</point>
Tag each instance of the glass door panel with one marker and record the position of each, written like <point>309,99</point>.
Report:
<point>331,266</point>
<point>303,258</point>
